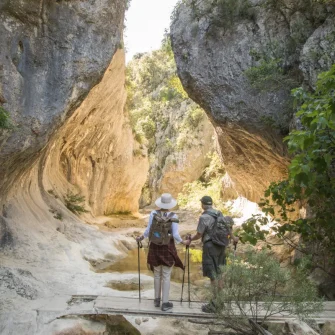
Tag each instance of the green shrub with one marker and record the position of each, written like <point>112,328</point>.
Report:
<point>128,3</point>
<point>59,216</point>
<point>194,117</point>
<point>75,203</point>
<point>232,10</point>
<point>221,13</point>
<point>310,182</point>
<point>209,184</point>
<point>149,127</point>
<point>4,119</point>
<point>269,76</point>
<point>256,287</point>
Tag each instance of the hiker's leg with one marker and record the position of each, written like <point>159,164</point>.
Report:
<point>157,281</point>
<point>166,271</point>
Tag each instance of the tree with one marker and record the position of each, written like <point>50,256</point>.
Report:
<point>310,182</point>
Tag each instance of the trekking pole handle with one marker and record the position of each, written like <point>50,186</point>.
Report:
<point>140,245</point>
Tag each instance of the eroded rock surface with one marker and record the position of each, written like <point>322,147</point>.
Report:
<point>52,54</point>
<point>62,82</point>
<point>56,53</point>
<point>213,51</point>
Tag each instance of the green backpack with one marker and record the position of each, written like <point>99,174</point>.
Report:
<point>161,228</point>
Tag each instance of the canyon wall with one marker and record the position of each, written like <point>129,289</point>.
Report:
<point>167,124</point>
<point>239,60</point>
<point>55,54</point>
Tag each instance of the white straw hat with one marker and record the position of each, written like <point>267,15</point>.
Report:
<point>166,201</point>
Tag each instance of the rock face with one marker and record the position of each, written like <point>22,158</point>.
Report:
<point>56,53</point>
<point>94,150</point>
<point>213,49</point>
<point>62,77</point>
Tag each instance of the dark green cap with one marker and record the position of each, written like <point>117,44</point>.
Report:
<point>206,200</point>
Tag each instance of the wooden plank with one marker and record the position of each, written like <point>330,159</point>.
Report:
<point>92,304</point>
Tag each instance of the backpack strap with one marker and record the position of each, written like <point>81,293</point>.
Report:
<point>212,214</point>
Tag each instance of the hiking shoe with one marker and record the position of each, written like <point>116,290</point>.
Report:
<point>167,306</point>
<point>157,302</point>
<point>208,308</point>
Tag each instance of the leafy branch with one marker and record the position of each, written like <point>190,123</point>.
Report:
<point>311,179</point>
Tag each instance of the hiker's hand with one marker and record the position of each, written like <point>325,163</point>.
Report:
<point>236,239</point>
<point>186,242</point>
<point>139,238</point>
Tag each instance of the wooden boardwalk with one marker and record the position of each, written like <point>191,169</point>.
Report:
<point>92,304</point>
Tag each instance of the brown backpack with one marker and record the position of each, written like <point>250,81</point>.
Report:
<point>161,228</point>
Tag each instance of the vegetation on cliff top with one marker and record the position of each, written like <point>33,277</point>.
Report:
<point>311,179</point>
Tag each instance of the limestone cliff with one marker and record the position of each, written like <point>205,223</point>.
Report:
<point>56,53</point>
<point>62,81</point>
<point>239,60</point>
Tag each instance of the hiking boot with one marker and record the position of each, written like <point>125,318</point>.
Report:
<point>208,308</point>
<point>167,306</point>
<point>157,302</point>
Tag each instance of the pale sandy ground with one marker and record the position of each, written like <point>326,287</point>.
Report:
<point>49,258</point>
<point>49,264</point>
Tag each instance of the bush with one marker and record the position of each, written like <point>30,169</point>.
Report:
<point>194,118</point>
<point>149,127</point>
<point>310,182</point>
<point>256,287</point>
<point>232,10</point>
<point>75,203</point>
<point>210,184</point>
<point>269,76</point>
<point>4,119</point>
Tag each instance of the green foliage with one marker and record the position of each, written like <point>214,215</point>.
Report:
<point>269,76</point>
<point>58,216</point>
<point>194,118</point>
<point>231,11</point>
<point>220,13</point>
<point>4,119</point>
<point>210,184</point>
<point>311,178</point>
<point>128,3</point>
<point>258,286</point>
<point>75,203</point>
<point>148,126</point>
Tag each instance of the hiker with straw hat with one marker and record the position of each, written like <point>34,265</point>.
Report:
<point>162,231</point>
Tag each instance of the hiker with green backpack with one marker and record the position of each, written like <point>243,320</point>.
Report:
<point>215,230</point>
<point>162,231</point>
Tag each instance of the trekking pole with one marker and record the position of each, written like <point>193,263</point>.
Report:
<point>182,285</point>
<point>188,276</point>
<point>139,245</point>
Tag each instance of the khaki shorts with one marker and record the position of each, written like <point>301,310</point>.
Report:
<point>213,257</point>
